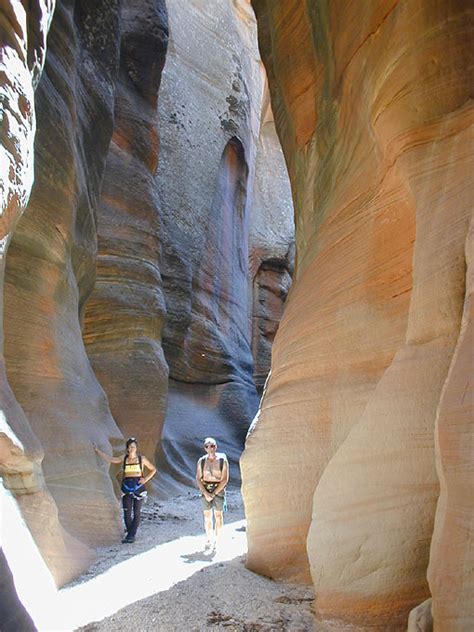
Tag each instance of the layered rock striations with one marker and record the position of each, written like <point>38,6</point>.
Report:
<point>210,115</point>
<point>372,108</point>
<point>345,317</point>
<point>23,40</point>
<point>387,464</point>
<point>124,315</point>
<point>51,269</point>
<point>25,499</point>
<point>86,261</point>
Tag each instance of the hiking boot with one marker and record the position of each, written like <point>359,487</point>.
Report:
<point>128,540</point>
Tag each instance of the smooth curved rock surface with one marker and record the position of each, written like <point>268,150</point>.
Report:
<point>93,226</point>
<point>22,476</point>
<point>451,568</point>
<point>51,269</point>
<point>125,313</point>
<point>369,330</point>
<point>342,324</point>
<point>386,465</point>
<point>22,54</point>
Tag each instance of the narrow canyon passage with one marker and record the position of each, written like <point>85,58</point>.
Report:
<point>248,220</point>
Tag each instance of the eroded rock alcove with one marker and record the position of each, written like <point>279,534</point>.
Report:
<point>222,184</point>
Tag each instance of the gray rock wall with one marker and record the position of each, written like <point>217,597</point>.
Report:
<point>210,107</point>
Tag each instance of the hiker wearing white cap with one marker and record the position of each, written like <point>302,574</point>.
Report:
<point>212,476</point>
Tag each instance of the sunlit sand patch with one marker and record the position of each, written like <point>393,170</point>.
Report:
<point>158,569</point>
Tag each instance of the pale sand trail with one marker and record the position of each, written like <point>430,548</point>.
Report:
<point>218,593</point>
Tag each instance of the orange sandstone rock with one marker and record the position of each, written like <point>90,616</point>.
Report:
<point>339,469</point>
<point>342,325</point>
<point>451,568</point>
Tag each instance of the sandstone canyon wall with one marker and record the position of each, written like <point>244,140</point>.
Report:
<point>124,315</point>
<point>51,267</point>
<point>373,110</point>
<point>24,497</point>
<point>451,559</point>
<point>105,239</point>
<point>210,117</point>
<point>13,615</point>
<point>51,262</point>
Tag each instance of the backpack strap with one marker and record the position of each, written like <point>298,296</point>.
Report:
<point>202,460</point>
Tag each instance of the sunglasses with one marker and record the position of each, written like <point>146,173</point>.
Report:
<point>210,445</point>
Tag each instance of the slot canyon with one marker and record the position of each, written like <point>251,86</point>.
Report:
<point>250,220</point>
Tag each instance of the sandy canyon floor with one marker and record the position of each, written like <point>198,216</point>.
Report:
<point>165,581</point>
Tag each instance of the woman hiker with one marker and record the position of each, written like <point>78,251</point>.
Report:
<point>133,484</point>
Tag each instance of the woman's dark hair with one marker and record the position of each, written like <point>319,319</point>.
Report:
<point>131,440</point>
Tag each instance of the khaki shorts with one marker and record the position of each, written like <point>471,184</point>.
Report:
<point>217,503</point>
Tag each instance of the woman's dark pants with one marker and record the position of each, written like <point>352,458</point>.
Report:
<point>131,513</point>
